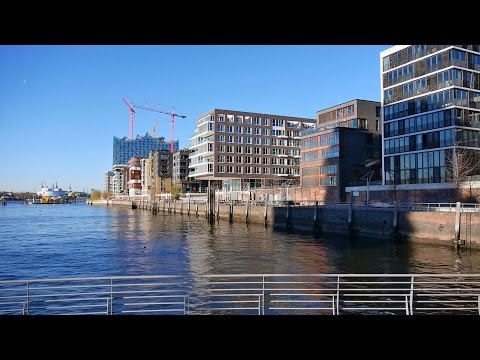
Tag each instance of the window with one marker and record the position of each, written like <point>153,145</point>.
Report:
<point>230,148</point>
<point>239,149</point>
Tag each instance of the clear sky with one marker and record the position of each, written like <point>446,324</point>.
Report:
<point>60,106</point>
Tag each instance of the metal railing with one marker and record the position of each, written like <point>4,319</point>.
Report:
<point>261,294</point>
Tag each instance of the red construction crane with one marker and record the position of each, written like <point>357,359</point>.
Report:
<point>132,111</point>
<point>172,114</point>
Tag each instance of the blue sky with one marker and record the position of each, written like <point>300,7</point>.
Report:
<point>62,105</point>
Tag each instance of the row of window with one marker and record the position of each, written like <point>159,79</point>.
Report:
<point>450,77</point>
<point>461,117</point>
<point>337,114</point>
<point>322,181</point>
<point>430,140</point>
<point>315,155</point>
<point>316,170</point>
<point>253,120</point>
<point>415,52</point>
<point>431,102</point>
<point>320,140</point>
<point>237,169</point>
<point>257,160</point>
<point>425,167</point>
<point>257,150</point>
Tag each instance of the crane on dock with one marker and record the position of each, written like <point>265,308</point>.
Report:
<point>131,107</point>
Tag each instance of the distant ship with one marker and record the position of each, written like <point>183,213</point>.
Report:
<point>52,194</point>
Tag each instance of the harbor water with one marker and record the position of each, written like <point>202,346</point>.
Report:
<point>76,240</point>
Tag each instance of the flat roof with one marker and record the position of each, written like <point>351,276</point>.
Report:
<point>255,113</point>
<point>392,50</point>
<point>347,102</point>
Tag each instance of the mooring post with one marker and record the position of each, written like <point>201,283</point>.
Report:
<point>181,207</point>
<point>457,224</point>
<point>265,213</point>
<point>350,211</point>
<point>188,211</point>
<point>196,208</point>
<point>395,220</point>
<point>287,221</point>
<point>315,215</point>
<point>246,210</point>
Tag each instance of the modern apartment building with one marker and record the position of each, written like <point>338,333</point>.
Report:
<point>119,179</point>
<point>431,110</point>
<point>345,145</point>
<point>237,150</point>
<point>157,173</point>
<point>134,176</point>
<point>181,161</point>
<point>124,149</point>
<point>108,183</point>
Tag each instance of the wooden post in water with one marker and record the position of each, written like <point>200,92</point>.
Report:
<point>456,241</point>
<point>181,207</point>
<point>287,220</point>
<point>188,211</point>
<point>196,208</point>
<point>315,215</point>
<point>211,206</point>
<point>246,211</point>
<point>265,212</point>
<point>163,205</point>
<point>395,221</point>
<point>230,212</point>
<point>218,209</point>
<point>350,210</point>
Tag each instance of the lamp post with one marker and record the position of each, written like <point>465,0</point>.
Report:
<point>368,177</point>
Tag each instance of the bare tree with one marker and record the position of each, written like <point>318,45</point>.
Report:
<point>460,165</point>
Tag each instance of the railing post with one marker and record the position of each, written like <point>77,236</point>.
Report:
<point>28,298</point>
<point>263,295</point>
<point>338,294</point>
<point>111,296</point>
<point>411,295</point>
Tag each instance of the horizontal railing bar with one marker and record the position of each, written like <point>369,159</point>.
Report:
<point>229,302</point>
<point>232,295</point>
<point>39,296</point>
<point>222,308</point>
<point>75,306</point>
<point>304,294</point>
<point>447,308</point>
<point>155,303</point>
<point>153,296</point>
<point>298,308</point>
<point>152,310</point>
<point>302,301</point>
<point>376,301</point>
<point>79,299</point>
<point>86,313</point>
<point>373,308</point>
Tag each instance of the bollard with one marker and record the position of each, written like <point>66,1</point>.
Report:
<point>456,241</point>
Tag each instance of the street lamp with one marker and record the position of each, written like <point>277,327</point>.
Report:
<point>368,177</point>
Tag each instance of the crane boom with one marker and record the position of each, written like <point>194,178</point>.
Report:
<point>131,107</point>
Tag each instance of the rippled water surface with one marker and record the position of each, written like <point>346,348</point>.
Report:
<point>72,240</point>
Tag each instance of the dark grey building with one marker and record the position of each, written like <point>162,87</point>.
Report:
<point>345,145</point>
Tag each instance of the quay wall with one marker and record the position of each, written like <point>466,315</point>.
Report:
<point>412,225</point>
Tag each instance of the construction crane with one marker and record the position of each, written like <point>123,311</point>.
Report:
<point>154,127</point>
<point>172,114</point>
<point>132,111</point>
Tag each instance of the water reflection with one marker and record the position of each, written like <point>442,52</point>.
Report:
<point>79,240</point>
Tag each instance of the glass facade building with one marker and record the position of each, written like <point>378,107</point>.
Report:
<point>430,97</point>
<point>124,149</point>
